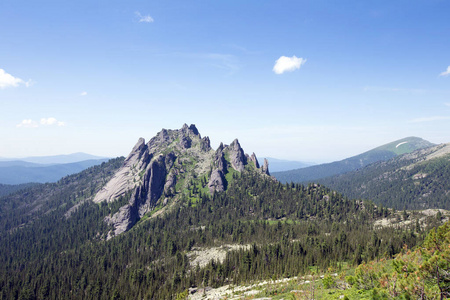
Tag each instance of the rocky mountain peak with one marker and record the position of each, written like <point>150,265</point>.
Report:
<point>237,156</point>
<point>157,173</point>
<point>194,129</point>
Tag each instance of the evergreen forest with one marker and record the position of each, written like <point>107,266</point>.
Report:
<point>285,230</point>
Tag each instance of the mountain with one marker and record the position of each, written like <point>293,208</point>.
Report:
<point>382,153</point>
<point>57,159</point>
<point>30,205</point>
<point>178,215</point>
<point>20,172</point>
<point>278,165</point>
<point>155,174</point>
<point>20,163</point>
<point>418,180</point>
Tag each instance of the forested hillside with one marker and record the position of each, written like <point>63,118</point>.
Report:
<point>382,153</point>
<point>6,189</point>
<point>36,202</point>
<point>418,180</point>
<point>289,228</point>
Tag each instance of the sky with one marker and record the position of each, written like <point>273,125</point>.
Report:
<point>312,81</point>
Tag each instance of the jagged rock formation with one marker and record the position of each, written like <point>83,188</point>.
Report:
<point>156,174</point>
<point>254,160</point>
<point>217,179</point>
<point>237,156</point>
<point>265,168</point>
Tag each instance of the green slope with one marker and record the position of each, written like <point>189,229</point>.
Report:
<point>6,189</point>
<point>381,153</point>
<point>418,180</point>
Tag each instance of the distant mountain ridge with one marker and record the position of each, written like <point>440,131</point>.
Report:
<point>20,172</point>
<point>279,165</point>
<point>382,153</point>
<point>56,159</point>
<point>417,180</point>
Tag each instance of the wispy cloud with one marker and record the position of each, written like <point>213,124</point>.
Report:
<point>144,18</point>
<point>447,104</point>
<point>288,64</point>
<point>242,49</point>
<point>29,83</point>
<point>27,123</point>
<point>429,119</point>
<point>83,94</point>
<point>446,72</point>
<point>390,89</point>
<point>226,62</point>
<point>8,80</point>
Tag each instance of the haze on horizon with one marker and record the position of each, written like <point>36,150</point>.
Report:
<point>299,80</point>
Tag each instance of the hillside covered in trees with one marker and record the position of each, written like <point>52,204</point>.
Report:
<point>288,228</point>
<point>418,180</point>
<point>382,153</point>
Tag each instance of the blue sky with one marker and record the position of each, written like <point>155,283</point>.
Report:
<point>94,76</point>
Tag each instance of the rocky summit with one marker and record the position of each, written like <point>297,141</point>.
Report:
<point>155,173</point>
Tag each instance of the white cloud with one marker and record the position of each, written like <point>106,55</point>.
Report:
<point>446,72</point>
<point>7,80</point>
<point>83,94</point>
<point>429,119</point>
<point>144,19</point>
<point>27,123</point>
<point>288,64</point>
<point>52,121</point>
<point>447,104</point>
<point>48,121</point>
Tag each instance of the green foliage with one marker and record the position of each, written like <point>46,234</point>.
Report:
<point>421,273</point>
<point>183,295</point>
<point>328,282</point>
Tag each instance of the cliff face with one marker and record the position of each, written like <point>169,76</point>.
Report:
<point>157,172</point>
